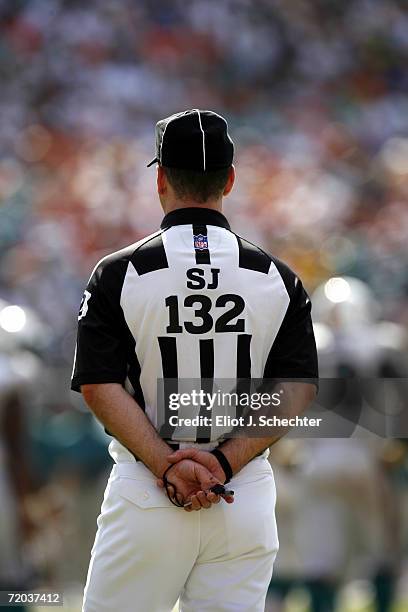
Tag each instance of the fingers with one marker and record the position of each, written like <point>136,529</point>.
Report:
<point>203,458</point>
<point>205,500</point>
<point>170,491</point>
<point>186,453</point>
<point>202,498</point>
<point>204,477</point>
<point>213,498</point>
<point>179,498</point>
<point>198,501</point>
<point>173,495</point>
<point>195,503</point>
<point>191,484</point>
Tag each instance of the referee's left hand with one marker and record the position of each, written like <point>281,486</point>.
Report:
<point>206,459</point>
<point>189,482</point>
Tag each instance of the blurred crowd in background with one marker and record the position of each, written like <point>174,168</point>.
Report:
<point>316,95</point>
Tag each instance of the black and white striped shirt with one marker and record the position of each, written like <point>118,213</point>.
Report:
<point>193,300</point>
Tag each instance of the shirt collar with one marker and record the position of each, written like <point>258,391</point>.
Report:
<point>194,216</point>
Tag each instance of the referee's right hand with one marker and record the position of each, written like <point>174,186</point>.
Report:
<point>190,482</point>
<point>203,457</point>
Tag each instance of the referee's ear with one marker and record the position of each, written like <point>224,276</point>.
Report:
<point>161,180</point>
<point>230,182</point>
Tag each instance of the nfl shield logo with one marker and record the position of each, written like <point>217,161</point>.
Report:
<point>200,242</point>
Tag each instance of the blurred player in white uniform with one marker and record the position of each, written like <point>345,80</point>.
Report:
<point>17,369</point>
<point>346,525</point>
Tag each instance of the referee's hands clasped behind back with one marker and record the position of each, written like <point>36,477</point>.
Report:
<point>189,482</point>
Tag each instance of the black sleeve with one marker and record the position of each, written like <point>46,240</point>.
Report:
<point>100,355</point>
<point>293,353</point>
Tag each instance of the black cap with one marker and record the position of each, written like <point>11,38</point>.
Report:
<point>193,140</point>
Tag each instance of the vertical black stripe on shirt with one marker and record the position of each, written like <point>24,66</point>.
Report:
<point>134,379</point>
<point>168,351</point>
<point>244,356</point>
<point>133,371</point>
<point>207,376</point>
<point>243,367</point>
<point>201,256</point>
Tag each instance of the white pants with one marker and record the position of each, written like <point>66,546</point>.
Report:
<point>148,553</point>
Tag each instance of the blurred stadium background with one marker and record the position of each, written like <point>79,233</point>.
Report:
<point>316,94</point>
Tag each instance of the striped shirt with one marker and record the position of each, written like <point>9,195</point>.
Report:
<point>191,301</point>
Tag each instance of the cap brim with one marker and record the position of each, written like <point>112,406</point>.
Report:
<point>154,161</point>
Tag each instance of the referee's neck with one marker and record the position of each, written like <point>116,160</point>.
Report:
<point>177,204</point>
<point>170,200</point>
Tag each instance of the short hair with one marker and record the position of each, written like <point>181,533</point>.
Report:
<point>200,186</point>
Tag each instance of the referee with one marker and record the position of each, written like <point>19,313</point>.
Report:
<point>191,301</point>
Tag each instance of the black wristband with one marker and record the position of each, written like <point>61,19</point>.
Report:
<point>224,463</point>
